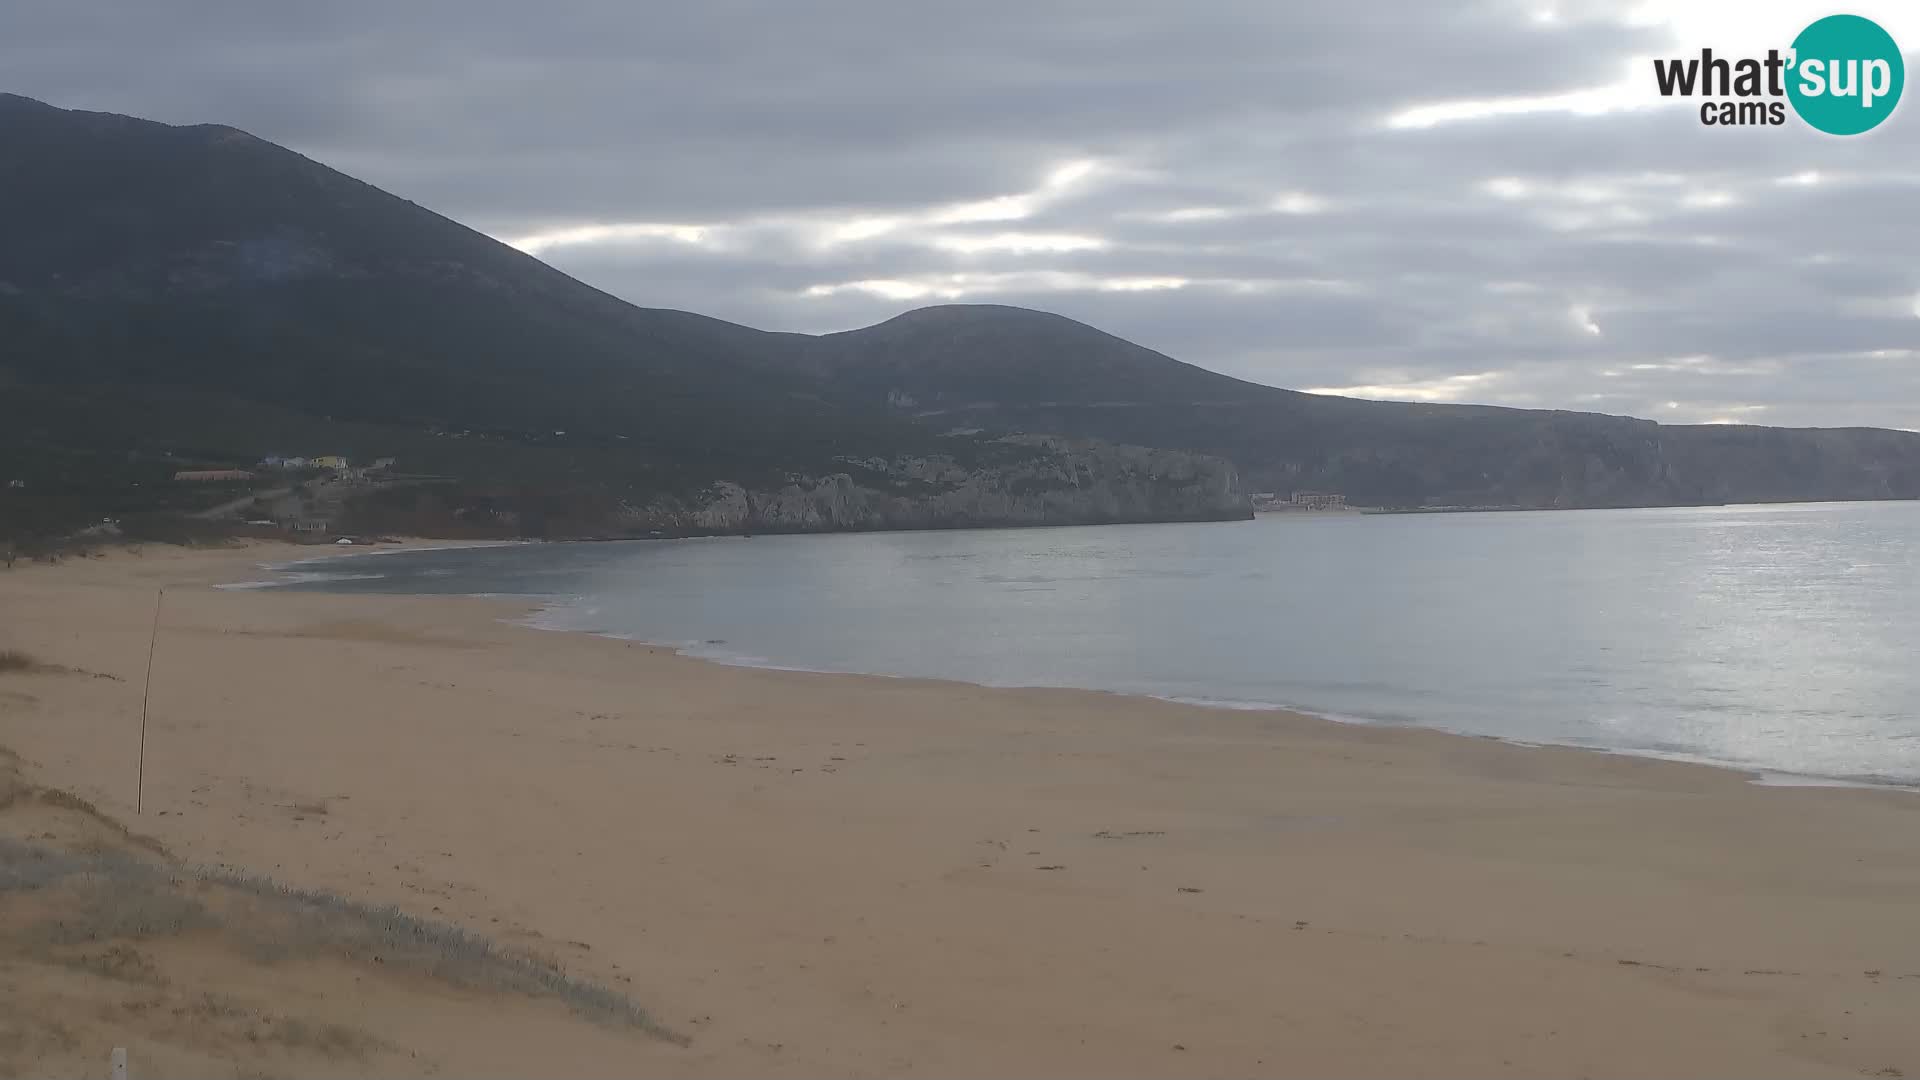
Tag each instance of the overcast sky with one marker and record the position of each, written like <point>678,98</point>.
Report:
<point>1391,198</point>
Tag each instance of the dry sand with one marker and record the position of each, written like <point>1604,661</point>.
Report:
<point>820,875</point>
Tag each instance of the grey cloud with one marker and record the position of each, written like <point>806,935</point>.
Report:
<point>773,122</point>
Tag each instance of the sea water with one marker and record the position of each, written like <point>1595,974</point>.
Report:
<point>1783,639</point>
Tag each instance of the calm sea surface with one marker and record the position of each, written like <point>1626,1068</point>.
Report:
<point>1781,638</point>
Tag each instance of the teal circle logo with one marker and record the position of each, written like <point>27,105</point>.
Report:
<point>1847,75</point>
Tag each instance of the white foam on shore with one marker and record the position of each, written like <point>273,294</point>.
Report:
<point>1757,775</point>
<point>296,578</point>
<point>1229,703</point>
<point>368,552</point>
<point>708,652</point>
<point>544,617</point>
<point>291,572</point>
<point>1779,779</point>
<point>717,653</point>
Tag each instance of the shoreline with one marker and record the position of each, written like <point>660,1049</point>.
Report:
<point>821,874</point>
<point>1759,776</point>
<point>537,606</point>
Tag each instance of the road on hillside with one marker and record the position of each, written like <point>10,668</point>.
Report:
<point>232,505</point>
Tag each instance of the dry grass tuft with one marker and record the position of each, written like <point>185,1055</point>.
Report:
<point>14,789</point>
<point>235,1021</point>
<point>327,1040</point>
<point>120,962</point>
<point>24,663</point>
<point>112,905</point>
<point>109,897</point>
<point>15,660</point>
<point>324,922</point>
<point>67,800</point>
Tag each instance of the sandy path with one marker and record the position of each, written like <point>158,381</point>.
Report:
<point>840,875</point>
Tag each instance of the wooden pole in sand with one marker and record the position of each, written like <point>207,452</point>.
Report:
<point>146,694</point>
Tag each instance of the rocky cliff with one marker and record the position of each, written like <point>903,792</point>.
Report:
<point>1568,460</point>
<point>1045,481</point>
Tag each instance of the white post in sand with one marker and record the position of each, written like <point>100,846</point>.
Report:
<point>119,1063</point>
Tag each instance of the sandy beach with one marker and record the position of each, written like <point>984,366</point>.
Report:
<point>823,875</point>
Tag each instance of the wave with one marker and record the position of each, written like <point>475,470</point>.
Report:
<point>297,578</point>
<point>337,556</point>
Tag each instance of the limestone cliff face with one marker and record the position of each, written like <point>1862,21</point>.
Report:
<point>1044,481</point>
<point>1577,460</point>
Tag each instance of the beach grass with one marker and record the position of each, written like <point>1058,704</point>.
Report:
<point>91,904</point>
<point>114,897</point>
<point>16,660</point>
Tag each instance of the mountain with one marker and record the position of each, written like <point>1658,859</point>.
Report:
<point>179,296</point>
<point>202,258</point>
<point>194,297</point>
<point>1004,368</point>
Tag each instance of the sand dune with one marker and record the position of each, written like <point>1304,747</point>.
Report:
<point>834,875</point>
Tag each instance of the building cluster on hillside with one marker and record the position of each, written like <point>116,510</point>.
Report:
<point>336,463</point>
<point>1272,502</point>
